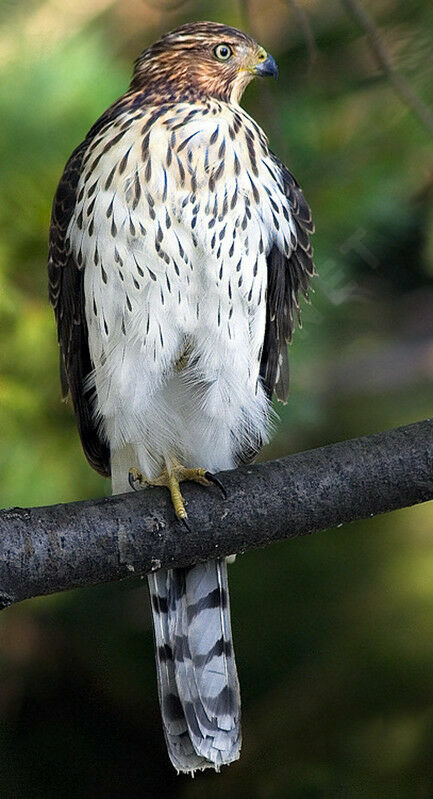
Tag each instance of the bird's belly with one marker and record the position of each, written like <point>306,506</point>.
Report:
<point>175,290</point>
<point>177,373</point>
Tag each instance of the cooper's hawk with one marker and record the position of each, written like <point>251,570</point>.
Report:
<point>179,244</point>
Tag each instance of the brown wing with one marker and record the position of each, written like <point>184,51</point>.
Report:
<point>67,296</point>
<point>66,290</point>
<point>287,277</point>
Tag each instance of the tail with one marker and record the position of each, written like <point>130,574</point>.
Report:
<point>197,680</point>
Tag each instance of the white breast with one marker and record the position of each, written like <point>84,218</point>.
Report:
<point>176,217</point>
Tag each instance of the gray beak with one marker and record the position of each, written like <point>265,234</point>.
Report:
<point>267,67</point>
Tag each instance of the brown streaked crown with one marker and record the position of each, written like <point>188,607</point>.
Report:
<point>182,65</point>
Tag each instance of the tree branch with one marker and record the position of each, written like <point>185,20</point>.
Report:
<point>43,550</point>
<point>401,85</point>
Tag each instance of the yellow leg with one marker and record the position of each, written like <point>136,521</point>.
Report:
<point>171,478</point>
<point>176,497</point>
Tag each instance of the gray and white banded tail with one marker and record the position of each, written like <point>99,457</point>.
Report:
<point>197,680</point>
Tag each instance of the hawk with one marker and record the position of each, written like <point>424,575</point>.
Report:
<point>179,244</point>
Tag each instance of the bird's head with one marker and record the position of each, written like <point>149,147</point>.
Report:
<point>202,59</point>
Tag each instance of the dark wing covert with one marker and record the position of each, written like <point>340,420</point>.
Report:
<point>66,291</point>
<point>287,277</point>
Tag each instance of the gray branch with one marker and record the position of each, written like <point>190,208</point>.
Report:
<point>43,550</point>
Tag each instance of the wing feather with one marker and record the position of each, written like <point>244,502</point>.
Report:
<point>288,277</point>
<point>66,291</point>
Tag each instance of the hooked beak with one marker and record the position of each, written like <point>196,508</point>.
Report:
<point>267,67</point>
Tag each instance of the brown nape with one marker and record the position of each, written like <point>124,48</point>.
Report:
<point>182,65</point>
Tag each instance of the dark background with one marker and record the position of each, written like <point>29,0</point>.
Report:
<point>333,633</point>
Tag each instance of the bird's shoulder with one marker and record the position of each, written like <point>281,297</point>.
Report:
<point>125,108</point>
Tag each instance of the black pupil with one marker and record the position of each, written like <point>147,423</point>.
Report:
<point>224,51</point>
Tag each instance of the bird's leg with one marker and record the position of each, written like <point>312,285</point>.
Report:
<point>171,477</point>
<point>167,478</point>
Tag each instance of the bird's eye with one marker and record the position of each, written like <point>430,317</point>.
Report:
<point>223,52</point>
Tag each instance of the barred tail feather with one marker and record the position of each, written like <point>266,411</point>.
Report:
<point>197,679</point>
<point>178,741</point>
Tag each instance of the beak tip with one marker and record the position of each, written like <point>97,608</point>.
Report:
<point>268,67</point>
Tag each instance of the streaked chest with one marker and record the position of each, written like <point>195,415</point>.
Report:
<point>177,207</point>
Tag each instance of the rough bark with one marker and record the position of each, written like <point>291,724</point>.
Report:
<point>48,549</point>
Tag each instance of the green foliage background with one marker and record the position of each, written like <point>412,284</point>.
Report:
<point>334,634</point>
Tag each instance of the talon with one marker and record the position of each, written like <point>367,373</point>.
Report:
<point>185,523</point>
<point>131,482</point>
<point>134,476</point>
<point>212,479</point>
<point>171,477</point>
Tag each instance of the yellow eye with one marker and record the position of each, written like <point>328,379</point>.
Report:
<point>223,52</point>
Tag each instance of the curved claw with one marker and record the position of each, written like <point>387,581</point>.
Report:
<point>185,523</point>
<point>132,480</point>
<point>212,479</point>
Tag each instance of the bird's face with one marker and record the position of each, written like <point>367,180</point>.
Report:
<point>207,59</point>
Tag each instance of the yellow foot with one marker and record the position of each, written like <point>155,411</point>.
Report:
<point>171,478</point>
